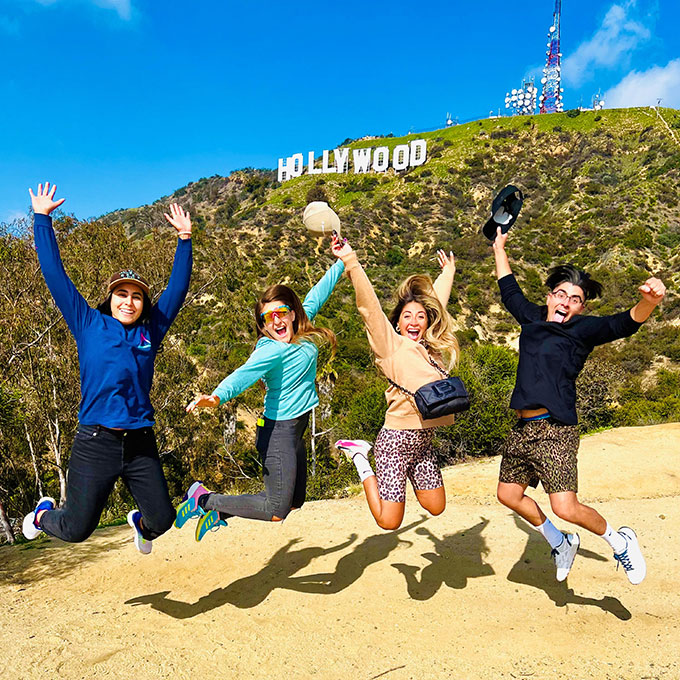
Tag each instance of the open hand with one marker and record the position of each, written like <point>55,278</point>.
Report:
<point>43,202</point>
<point>446,262</point>
<point>652,290</point>
<point>203,401</point>
<point>180,219</point>
<point>339,247</point>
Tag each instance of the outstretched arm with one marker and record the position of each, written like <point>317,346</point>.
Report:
<point>652,292</point>
<point>170,302</point>
<point>319,294</point>
<point>501,257</point>
<point>383,339</point>
<point>265,356</point>
<point>444,282</point>
<point>70,302</point>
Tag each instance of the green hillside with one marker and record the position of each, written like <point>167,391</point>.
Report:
<point>601,191</point>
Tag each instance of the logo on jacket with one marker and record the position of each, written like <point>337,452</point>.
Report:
<point>145,343</point>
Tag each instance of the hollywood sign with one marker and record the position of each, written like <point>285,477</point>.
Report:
<point>403,156</point>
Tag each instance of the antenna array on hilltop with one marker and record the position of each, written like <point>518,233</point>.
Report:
<point>550,99</point>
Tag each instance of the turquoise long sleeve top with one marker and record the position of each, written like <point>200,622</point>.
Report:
<point>288,370</point>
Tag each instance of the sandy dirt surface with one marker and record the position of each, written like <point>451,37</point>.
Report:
<point>468,594</point>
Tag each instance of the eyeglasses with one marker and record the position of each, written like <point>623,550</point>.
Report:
<point>281,312</point>
<point>561,295</point>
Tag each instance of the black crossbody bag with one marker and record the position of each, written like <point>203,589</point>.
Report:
<point>441,397</point>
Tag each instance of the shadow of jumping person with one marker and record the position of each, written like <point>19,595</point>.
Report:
<point>246,592</point>
<point>350,567</point>
<point>458,557</point>
<point>535,568</point>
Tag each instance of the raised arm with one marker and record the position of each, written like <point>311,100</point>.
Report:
<point>444,282</point>
<point>512,296</point>
<point>70,302</point>
<point>170,301</point>
<point>652,292</point>
<point>319,294</point>
<point>267,354</point>
<point>384,340</point>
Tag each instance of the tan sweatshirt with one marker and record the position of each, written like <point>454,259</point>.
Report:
<point>399,358</point>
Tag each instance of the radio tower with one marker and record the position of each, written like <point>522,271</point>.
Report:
<point>551,98</point>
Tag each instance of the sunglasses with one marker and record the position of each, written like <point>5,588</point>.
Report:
<point>281,312</point>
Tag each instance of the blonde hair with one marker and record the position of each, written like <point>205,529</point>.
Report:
<point>303,329</point>
<point>439,333</point>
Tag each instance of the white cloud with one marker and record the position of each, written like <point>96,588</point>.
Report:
<point>613,43</point>
<point>643,88</point>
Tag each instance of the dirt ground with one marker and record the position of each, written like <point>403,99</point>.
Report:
<point>470,594</point>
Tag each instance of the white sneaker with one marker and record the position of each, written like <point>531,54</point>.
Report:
<point>141,543</point>
<point>564,555</point>
<point>29,528</point>
<point>631,558</point>
<point>352,447</point>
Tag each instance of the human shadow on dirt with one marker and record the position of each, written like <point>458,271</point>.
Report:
<point>535,568</point>
<point>457,558</point>
<point>251,591</point>
<point>26,563</point>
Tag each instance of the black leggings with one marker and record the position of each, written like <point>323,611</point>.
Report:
<point>284,465</point>
<point>98,457</point>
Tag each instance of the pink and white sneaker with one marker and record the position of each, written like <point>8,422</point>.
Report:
<point>353,447</point>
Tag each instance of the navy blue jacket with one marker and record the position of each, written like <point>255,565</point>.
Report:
<point>116,361</point>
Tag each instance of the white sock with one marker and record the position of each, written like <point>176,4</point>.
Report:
<point>551,533</point>
<point>363,466</point>
<point>617,542</point>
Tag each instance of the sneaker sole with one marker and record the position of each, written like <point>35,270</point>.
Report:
<point>141,547</point>
<point>632,536</point>
<point>28,528</point>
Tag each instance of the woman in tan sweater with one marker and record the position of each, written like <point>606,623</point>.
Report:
<point>409,346</point>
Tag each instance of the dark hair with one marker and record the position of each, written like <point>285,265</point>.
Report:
<point>302,326</point>
<point>568,273</point>
<point>105,307</point>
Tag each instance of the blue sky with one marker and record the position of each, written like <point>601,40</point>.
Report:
<point>122,101</point>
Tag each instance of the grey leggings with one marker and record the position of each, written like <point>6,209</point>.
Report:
<point>284,465</point>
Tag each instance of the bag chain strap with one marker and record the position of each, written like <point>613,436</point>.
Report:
<point>433,362</point>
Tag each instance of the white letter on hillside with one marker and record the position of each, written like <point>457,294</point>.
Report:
<point>362,159</point>
<point>381,159</point>
<point>290,167</point>
<point>326,168</point>
<point>341,159</point>
<point>418,152</point>
<point>400,157</point>
<point>311,170</point>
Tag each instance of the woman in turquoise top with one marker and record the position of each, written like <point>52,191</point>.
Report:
<point>285,360</point>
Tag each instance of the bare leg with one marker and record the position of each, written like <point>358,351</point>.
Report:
<point>433,500</point>
<point>566,506</point>
<point>387,514</point>
<point>512,496</point>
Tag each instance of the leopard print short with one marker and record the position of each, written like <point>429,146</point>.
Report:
<point>405,453</point>
<point>541,450</point>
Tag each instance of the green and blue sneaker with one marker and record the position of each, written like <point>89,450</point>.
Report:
<point>189,507</point>
<point>211,521</point>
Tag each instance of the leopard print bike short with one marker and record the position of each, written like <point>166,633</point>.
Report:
<point>402,454</point>
<point>541,450</point>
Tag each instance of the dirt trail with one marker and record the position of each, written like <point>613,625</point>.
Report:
<point>470,594</point>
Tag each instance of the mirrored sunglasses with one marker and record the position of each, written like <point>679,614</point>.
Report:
<point>281,312</point>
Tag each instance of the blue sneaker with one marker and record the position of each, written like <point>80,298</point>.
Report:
<point>30,528</point>
<point>209,522</point>
<point>142,544</point>
<point>189,507</point>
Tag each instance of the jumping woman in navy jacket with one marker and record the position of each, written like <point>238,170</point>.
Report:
<point>117,345</point>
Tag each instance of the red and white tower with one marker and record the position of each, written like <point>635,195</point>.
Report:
<point>550,100</point>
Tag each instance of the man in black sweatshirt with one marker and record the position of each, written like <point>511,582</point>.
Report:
<point>554,343</point>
